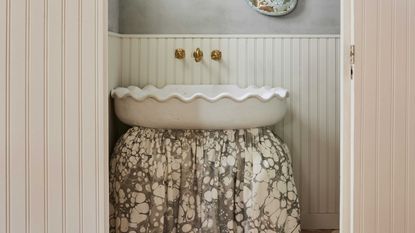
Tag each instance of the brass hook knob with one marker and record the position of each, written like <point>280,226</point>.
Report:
<point>216,55</point>
<point>180,54</point>
<point>198,55</point>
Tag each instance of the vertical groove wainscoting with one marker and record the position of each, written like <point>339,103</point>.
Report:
<point>53,116</point>
<point>116,129</point>
<point>307,65</point>
<point>384,132</point>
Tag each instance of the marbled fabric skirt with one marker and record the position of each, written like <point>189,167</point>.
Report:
<point>202,181</point>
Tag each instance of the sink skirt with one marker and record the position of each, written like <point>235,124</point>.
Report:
<point>164,180</point>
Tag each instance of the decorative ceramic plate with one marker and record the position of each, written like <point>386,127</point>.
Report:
<point>273,7</point>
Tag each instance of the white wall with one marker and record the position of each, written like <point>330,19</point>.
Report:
<point>113,15</point>
<point>225,17</point>
<point>116,128</point>
<point>307,65</point>
<point>53,124</point>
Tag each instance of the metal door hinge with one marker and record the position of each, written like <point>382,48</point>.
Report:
<point>352,54</point>
<point>352,60</point>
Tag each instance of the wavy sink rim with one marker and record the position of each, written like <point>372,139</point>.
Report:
<point>211,93</point>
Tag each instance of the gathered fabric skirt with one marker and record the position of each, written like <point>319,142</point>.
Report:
<point>164,180</point>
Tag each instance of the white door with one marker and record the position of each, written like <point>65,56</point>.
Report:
<point>378,175</point>
<point>53,133</point>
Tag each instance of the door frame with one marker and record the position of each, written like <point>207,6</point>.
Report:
<point>346,118</point>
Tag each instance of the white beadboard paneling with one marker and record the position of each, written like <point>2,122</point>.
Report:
<point>384,108</point>
<point>241,75</point>
<point>338,122</point>
<point>232,62</point>
<point>135,56</point>
<point>154,63</point>
<point>53,141</point>
<point>259,59</point>
<point>114,80</point>
<point>384,143</point>
<point>400,115</point>
<point>4,118</point>
<point>161,71</point>
<point>411,124</point>
<point>268,59</point>
<point>307,65</point>
<point>89,116</point>
<point>250,62</point>
<point>54,116</point>
<point>214,65</point>
<point>322,123</point>
<point>115,59</point>
<point>332,123</point>
<point>17,110</point>
<point>37,187</point>
<point>71,114</point>
<point>170,64</point>
<point>314,127</point>
<point>304,139</point>
<point>126,60</point>
<point>410,173</point>
<point>295,109</point>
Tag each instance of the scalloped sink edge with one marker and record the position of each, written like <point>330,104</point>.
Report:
<point>211,93</point>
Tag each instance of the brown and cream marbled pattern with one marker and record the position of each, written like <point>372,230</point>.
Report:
<point>202,181</point>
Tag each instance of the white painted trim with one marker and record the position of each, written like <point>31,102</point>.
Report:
<point>346,122</point>
<point>104,161</point>
<point>223,36</point>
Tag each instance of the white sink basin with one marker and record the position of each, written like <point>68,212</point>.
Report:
<point>200,106</point>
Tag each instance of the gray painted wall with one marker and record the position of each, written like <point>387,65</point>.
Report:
<point>113,15</point>
<point>225,17</point>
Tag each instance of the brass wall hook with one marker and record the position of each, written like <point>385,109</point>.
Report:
<point>180,53</point>
<point>216,55</point>
<point>198,55</point>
